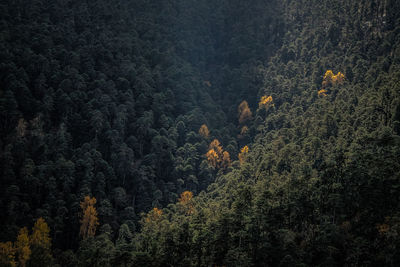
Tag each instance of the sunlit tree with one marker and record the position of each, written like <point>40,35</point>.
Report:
<point>244,112</point>
<point>266,102</point>
<point>40,235</point>
<point>243,153</point>
<point>89,221</point>
<point>322,93</point>
<point>22,248</point>
<point>226,160</point>
<point>212,158</point>
<point>203,131</point>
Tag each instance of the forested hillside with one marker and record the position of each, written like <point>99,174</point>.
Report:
<point>200,133</point>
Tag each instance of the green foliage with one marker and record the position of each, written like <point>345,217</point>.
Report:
<point>107,98</point>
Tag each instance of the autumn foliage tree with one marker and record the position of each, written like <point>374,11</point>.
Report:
<point>244,112</point>
<point>216,156</point>
<point>89,221</point>
<point>226,160</point>
<point>243,154</point>
<point>186,202</point>
<point>32,250</point>
<point>7,254</point>
<point>41,244</point>
<point>265,102</point>
<point>331,79</point>
<point>203,131</point>
<point>22,248</point>
<point>322,93</point>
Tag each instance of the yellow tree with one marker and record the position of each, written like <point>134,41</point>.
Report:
<point>89,220</point>
<point>7,254</point>
<point>244,112</point>
<point>186,202</point>
<point>226,160</point>
<point>331,79</point>
<point>215,153</point>
<point>327,78</point>
<point>212,158</point>
<point>40,236</point>
<point>243,153</point>
<point>203,131</point>
<point>338,78</point>
<point>22,247</point>
<point>322,93</point>
<point>265,102</point>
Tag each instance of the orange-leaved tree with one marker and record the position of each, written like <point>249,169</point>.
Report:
<point>243,154</point>
<point>22,248</point>
<point>203,131</point>
<point>322,93</point>
<point>331,79</point>
<point>244,112</point>
<point>40,235</point>
<point>186,202</point>
<point>89,221</point>
<point>216,156</point>
<point>266,102</point>
<point>154,215</point>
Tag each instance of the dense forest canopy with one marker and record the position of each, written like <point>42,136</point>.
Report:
<point>200,133</point>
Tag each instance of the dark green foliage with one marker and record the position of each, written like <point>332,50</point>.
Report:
<point>105,99</point>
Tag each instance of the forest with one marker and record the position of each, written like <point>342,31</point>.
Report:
<point>199,133</point>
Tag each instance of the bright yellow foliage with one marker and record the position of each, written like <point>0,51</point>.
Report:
<point>40,236</point>
<point>244,112</point>
<point>89,220</point>
<point>322,93</point>
<point>22,247</point>
<point>243,153</point>
<point>212,158</point>
<point>331,79</point>
<point>216,156</point>
<point>7,254</point>
<point>203,131</point>
<point>266,102</point>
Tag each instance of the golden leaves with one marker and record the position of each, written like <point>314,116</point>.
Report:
<point>216,156</point>
<point>331,79</point>
<point>40,236</point>
<point>243,154</point>
<point>266,102</point>
<point>89,220</point>
<point>22,246</point>
<point>7,254</point>
<point>244,112</point>
<point>186,202</point>
<point>322,93</point>
<point>212,158</point>
<point>203,131</point>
